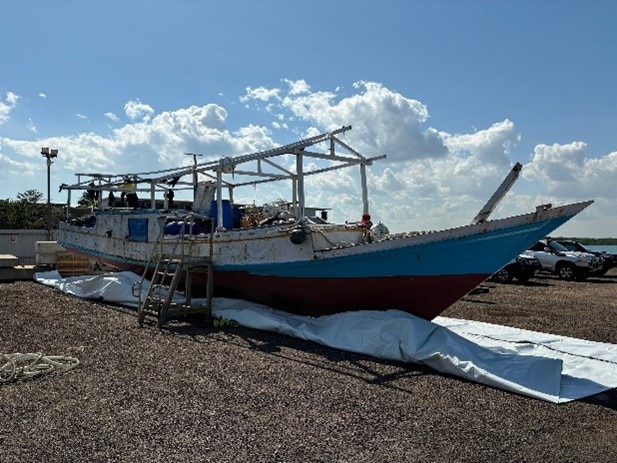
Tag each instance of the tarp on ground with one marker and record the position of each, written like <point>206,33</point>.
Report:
<point>539,365</point>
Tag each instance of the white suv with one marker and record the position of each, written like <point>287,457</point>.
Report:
<point>567,265</point>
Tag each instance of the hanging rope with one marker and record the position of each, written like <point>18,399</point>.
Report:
<point>20,366</point>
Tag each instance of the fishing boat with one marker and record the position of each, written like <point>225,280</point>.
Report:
<point>288,255</point>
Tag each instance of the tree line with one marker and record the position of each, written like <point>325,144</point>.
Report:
<point>592,241</point>
<point>29,211</point>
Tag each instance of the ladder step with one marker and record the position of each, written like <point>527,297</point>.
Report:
<point>150,313</point>
<point>170,260</point>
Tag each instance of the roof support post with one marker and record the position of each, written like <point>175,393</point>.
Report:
<point>152,196</point>
<point>364,190</point>
<point>219,200</point>
<point>68,205</point>
<point>300,173</point>
<point>294,197</point>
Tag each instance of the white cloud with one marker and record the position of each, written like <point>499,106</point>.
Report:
<point>490,145</point>
<point>112,117</point>
<point>384,121</point>
<point>82,117</point>
<point>197,129</point>
<point>556,164</point>
<point>6,108</point>
<point>11,168</point>
<point>30,125</point>
<point>568,171</point>
<point>260,93</point>
<point>297,87</point>
<point>426,171</point>
<point>42,95</point>
<point>430,179</point>
<point>135,110</point>
<point>12,98</point>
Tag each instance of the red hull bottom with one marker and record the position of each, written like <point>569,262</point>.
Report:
<point>424,297</point>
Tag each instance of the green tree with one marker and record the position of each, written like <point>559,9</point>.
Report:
<point>30,196</point>
<point>7,214</point>
<point>24,213</point>
<point>86,200</point>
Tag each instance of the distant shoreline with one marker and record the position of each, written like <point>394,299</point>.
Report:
<point>592,241</point>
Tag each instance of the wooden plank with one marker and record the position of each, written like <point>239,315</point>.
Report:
<point>70,265</point>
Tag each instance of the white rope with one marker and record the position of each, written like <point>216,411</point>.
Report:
<point>18,366</point>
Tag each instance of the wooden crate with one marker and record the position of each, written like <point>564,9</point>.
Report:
<point>70,265</point>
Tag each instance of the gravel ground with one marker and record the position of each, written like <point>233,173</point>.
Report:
<point>190,393</point>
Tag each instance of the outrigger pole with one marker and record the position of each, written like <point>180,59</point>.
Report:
<point>505,186</point>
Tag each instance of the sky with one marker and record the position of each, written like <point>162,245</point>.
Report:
<point>453,92</point>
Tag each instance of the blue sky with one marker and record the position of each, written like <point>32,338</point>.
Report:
<point>454,92</point>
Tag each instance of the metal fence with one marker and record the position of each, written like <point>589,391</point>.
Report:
<point>22,244</point>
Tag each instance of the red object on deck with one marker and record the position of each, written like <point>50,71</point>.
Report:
<point>366,218</point>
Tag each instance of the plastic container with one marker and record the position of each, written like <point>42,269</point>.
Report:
<point>227,214</point>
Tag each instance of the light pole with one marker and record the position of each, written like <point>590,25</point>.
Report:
<point>49,154</point>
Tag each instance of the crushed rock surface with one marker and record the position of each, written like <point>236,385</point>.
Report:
<point>192,393</point>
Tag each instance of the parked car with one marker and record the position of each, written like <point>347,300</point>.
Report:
<point>523,267</point>
<point>567,265</point>
<point>609,259</point>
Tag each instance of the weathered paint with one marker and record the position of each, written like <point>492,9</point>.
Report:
<point>420,273</point>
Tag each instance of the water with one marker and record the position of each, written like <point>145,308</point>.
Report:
<point>602,247</point>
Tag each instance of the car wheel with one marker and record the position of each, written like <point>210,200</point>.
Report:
<point>566,271</point>
<point>524,277</point>
<point>602,271</point>
<point>503,276</point>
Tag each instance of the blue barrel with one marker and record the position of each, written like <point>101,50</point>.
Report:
<point>227,214</point>
<point>174,228</point>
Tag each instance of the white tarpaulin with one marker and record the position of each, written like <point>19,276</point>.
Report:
<point>539,365</point>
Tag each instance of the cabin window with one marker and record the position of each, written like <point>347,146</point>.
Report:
<point>138,230</point>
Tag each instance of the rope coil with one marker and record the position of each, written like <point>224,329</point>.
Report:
<point>22,366</point>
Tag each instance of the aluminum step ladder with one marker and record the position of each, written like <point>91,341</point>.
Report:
<point>170,266</point>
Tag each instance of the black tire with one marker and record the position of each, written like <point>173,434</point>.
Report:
<point>525,277</point>
<point>603,271</point>
<point>503,276</point>
<point>566,271</point>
